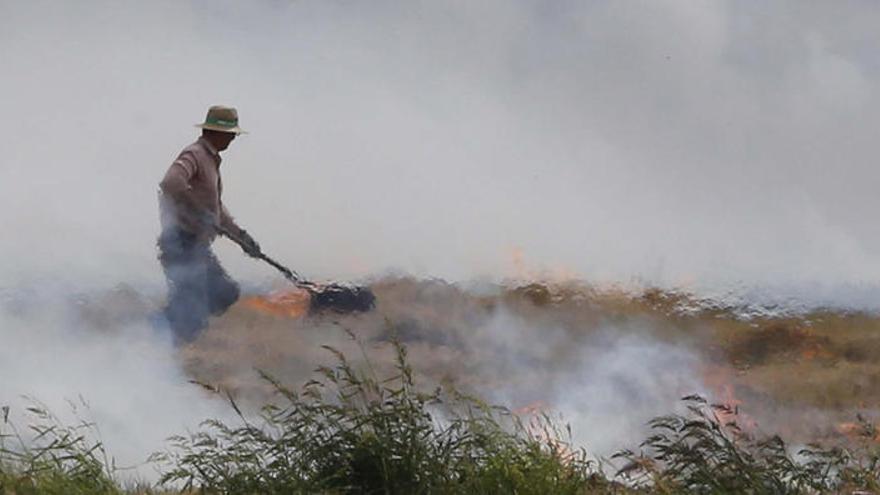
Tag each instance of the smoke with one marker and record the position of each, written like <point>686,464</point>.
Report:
<point>100,354</point>
<point>665,142</point>
<point>722,146</point>
<point>606,375</point>
<point>606,382</point>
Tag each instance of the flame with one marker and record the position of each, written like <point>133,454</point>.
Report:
<point>536,425</point>
<point>859,431</point>
<point>816,351</point>
<point>289,303</point>
<point>532,408</point>
<point>721,380</point>
<point>520,268</point>
<point>517,262</point>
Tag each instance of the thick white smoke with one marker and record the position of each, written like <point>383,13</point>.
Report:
<point>722,146</point>
<point>607,382</point>
<point>671,142</point>
<point>66,349</point>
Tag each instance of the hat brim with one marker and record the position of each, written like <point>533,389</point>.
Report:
<point>230,130</point>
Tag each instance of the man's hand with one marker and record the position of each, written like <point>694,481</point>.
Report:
<point>249,245</point>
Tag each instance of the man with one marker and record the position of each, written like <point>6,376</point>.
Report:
<point>192,214</point>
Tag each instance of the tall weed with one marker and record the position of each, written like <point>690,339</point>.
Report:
<point>351,431</point>
<point>53,458</point>
<point>707,452</point>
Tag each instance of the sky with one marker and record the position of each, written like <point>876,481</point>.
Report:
<point>708,144</point>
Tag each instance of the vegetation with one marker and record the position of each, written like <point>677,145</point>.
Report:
<point>706,451</point>
<point>351,431</point>
<point>54,459</point>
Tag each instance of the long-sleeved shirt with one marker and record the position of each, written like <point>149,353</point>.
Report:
<point>190,193</point>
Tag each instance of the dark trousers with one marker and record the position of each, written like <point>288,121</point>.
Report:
<point>198,287</point>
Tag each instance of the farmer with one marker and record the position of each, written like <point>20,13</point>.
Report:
<point>192,215</point>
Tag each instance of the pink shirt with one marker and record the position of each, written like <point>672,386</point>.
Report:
<point>190,193</point>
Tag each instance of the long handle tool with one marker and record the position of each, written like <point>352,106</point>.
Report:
<point>325,297</point>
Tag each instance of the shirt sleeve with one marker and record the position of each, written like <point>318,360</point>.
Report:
<point>227,222</point>
<point>176,180</point>
<point>176,186</point>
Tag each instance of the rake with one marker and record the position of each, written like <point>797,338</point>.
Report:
<point>335,297</point>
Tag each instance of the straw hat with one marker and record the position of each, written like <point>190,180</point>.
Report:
<point>223,119</point>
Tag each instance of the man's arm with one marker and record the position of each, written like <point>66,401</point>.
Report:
<point>240,236</point>
<point>228,223</point>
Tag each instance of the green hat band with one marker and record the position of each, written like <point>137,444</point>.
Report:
<point>222,122</point>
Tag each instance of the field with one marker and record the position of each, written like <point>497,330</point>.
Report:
<point>396,408</point>
<point>801,373</point>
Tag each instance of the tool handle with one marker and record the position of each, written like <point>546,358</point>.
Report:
<point>287,272</point>
<point>290,274</point>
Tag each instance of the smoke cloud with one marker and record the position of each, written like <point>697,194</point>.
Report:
<point>674,143</point>
<point>726,147</point>
<point>96,358</point>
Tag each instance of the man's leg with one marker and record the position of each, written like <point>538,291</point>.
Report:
<point>222,290</point>
<point>186,264</point>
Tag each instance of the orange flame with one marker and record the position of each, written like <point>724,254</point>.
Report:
<point>531,409</point>
<point>537,426</point>
<point>722,381</point>
<point>816,351</point>
<point>856,431</point>
<point>290,303</point>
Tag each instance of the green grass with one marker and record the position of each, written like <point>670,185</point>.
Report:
<point>55,459</point>
<point>706,451</point>
<point>351,431</point>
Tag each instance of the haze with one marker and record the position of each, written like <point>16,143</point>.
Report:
<point>670,142</point>
<point>723,147</point>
